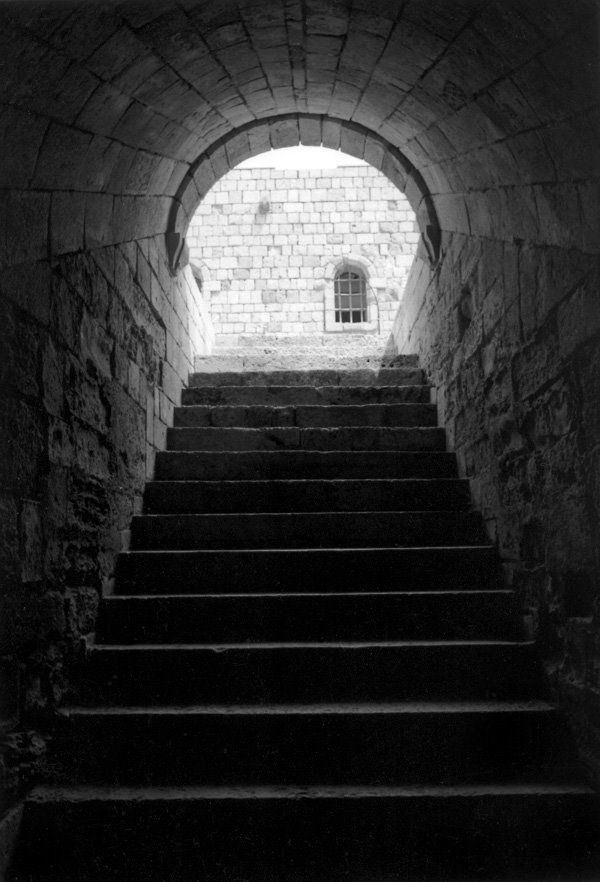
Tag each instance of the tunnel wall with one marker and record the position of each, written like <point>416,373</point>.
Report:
<point>509,333</point>
<point>95,347</point>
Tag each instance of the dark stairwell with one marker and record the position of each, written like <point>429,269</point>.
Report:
<point>310,668</point>
<point>116,118</point>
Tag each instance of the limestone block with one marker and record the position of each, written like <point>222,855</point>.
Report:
<point>578,317</point>
<point>61,158</point>
<point>31,540</point>
<point>24,219</point>
<point>589,194</point>
<point>52,379</point>
<point>284,133</point>
<point>21,135</point>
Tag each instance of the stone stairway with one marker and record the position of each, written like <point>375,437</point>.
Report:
<point>310,669</point>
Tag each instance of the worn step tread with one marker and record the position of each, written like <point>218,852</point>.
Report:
<point>267,672</point>
<point>410,375</point>
<point>337,438</point>
<point>286,395</point>
<point>85,793</point>
<point>360,708</point>
<point>309,615</point>
<point>305,415</point>
<point>260,646</point>
<point>439,568</point>
<point>115,598</point>
<point>306,494</point>
<point>290,464</point>
<point>306,529</point>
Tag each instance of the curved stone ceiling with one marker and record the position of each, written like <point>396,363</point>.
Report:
<point>494,103</point>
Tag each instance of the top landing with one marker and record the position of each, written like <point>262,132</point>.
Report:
<point>337,352</point>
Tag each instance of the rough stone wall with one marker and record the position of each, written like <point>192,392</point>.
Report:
<point>95,347</point>
<point>268,242</point>
<point>510,336</point>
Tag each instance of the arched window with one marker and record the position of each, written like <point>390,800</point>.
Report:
<point>350,296</point>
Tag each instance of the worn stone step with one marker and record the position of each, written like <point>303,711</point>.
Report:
<point>289,353</point>
<point>307,530</point>
<point>291,673</point>
<point>538,831</point>
<point>407,376</point>
<point>233,618</point>
<point>394,743</point>
<point>306,416</point>
<point>278,437</point>
<point>278,396</point>
<point>301,570</point>
<point>309,495</point>
<point>300,464</point>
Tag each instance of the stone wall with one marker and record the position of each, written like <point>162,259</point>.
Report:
<point>268,243</point>
<point>509,334</point>
<point>95,347</point>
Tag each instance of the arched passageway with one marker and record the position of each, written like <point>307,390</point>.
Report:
<point>270,240</point>
<point>109,113</point>
<point>290,131</point>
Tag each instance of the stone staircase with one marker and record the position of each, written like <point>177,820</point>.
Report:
<point>310,669</point>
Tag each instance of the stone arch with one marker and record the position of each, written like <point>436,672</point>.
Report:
<point>290,131</point>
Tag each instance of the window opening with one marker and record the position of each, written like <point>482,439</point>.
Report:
<point>350,303</point>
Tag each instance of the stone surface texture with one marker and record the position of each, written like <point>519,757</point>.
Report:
<point>96,346</point>
<point>268,243</point>
<point>357,721</point>
<point>108,108</point>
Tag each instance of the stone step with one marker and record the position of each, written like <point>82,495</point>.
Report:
<point>319,570</point>
<point>305,416</point>
<point>292,673</point>
<point>298,496</point>
<point>303,464</point>
<point>299,395</point>
<point>537,831</point>
<point>278,438</point>
<point>307,530</point>
<point>399,376</point>
<point>272,618</point>
<point>385,744</point>
<point>288,352</point>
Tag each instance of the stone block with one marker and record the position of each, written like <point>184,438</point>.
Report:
<point>96,345</point>
<point>29,285</point>
<point>589,195</point>
<point>67,222</point>
<point>31,541</point>
<point>142,172</point>
<point>458,213</point>
<point>62,156</point>
<point>579,316</point>
<point>284,133</point>
<point>52,379</point>
<point>21,135</point>
<point>24,220</point>
<point>559,214</point>
<point>99,210</point>
<point>537,363</point>
<point>309,128</point>
<point>238,148</point>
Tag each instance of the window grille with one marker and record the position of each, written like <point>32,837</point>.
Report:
<point>350,303</point>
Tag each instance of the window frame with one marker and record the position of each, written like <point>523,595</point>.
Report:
<point>351,305</point>
<point>368,318</point>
